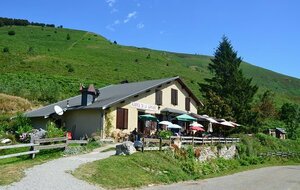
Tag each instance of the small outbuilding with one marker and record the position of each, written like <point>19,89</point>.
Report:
<point>278,133</point>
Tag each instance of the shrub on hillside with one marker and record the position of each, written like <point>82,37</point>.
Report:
<point>70,68</point>
<point>19,122</point>
<point>5,50</point>
<point>11,32</point>
<point>30,50</point>
<point>53,131</point>
<point>68,37</point>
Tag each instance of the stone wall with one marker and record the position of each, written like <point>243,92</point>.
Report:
<point>212,152</point>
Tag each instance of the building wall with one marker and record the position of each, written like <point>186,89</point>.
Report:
<point>39,122</point>
<point>149,98</point>
<point>83,122</point>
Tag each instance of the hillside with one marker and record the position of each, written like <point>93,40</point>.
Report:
<point>12,104</point>
<point>42,65</point>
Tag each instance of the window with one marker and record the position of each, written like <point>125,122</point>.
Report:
<point>158,97</point>
<point>122,118</point>
<point>174,96</point>
<point>187,104</point>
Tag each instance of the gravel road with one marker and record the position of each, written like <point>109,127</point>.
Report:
<point>271,178</point>
<point>54,175</point>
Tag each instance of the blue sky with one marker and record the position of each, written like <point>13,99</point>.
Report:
<point>265,33</point>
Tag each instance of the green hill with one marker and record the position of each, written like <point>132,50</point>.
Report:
<point>43,65</point>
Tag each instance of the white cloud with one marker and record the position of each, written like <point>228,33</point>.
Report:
<point>114,10</point>
<point>111,2</point>
<point>140,25</point>
<point>110,27</point>
<point>116,22</point>
<point>130,16</point>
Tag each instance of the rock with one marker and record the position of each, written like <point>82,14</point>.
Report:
<point>206,154</point>
<point>126,148</point>
<point>5,141</point>
<point>138,145</point>
<point>37,134</point>
<point>227,153</point>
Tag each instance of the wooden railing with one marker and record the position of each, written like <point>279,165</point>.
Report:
<point>204,140</point>
<point>281,154</point>
<point>41,144</point>
<point>50,143</point>
<point>32,152</point>
<point>160,144</point>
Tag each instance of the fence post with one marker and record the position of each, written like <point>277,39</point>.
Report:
<point>211,140</point>
<point>33,148</point>
<point>202,140</point>
<point>160,144</point>
<point>225,140</point>
<point>143,141</point>
<point>193,141</point>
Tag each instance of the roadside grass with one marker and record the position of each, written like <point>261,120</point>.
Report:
<point>142,169</point>
<point>155,167</point>
<point>132,171</point>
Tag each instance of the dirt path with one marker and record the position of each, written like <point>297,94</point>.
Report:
<point>271,178</point>
<point>74,43</point>
<point>54,175</point>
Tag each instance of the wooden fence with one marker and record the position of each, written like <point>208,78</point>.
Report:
<point>41,144</point>
<point>160,144</point>
<point>204,140</point>
<point>32,152</point>
<point>281,154</point>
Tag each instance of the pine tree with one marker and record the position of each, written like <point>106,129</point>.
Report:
<point>228,93</point>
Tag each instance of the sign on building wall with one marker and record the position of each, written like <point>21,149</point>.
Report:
<point>143,106</point>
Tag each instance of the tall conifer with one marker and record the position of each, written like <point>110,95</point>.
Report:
<point>228,93</point>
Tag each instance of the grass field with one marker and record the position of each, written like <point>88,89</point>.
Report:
<point>43,66</point>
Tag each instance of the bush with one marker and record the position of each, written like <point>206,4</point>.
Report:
<point>165,134</point>
<point>20,123</point>
<point>30,50</point>
<point>70,68</point>
<point>5,50</point>
<point>11,32</point>
<point>24,129</point>
<point>53,131</point>
<point>68,37</point>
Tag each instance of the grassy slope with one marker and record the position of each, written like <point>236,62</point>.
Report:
<point>96,60</point>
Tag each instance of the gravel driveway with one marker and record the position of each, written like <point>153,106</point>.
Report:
<point>271,178</point>
<point>54,175</point>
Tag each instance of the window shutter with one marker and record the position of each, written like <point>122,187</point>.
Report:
<point>119,118</point>
<point>187,104</point>
<point>125,112</point>
<point>158,97</point>
<point>174,97</point>
<point>122,118</point>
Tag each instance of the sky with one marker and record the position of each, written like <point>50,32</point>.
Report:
<point>265,33</point>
